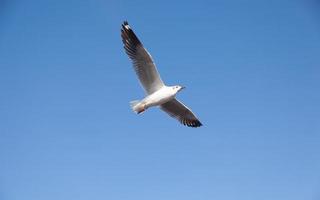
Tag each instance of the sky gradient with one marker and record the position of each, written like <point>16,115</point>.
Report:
<point>252,73</point>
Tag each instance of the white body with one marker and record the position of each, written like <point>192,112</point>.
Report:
<point>159,97</point>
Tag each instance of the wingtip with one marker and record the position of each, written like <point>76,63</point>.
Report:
<point>193,124</point>
<point>196,124</point>
<point>125,25</point>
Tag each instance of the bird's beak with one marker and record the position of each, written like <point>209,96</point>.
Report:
<point>183,87</point>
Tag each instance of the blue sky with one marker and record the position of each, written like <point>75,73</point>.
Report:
<point>252,72</point>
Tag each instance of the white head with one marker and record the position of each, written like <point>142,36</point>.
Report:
<point>177,88</point>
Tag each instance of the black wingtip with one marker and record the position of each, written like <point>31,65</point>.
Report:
<point>196,124</point>
<point>193,124</point>
<point>125,26</point>
<point>129,38</point>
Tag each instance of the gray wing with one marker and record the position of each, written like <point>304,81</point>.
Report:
<point>178,110</point>
<point>141,59</point>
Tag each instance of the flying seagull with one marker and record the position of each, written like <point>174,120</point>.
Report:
<point>158,94</point>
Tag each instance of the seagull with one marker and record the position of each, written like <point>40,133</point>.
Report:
<point>157,93</point>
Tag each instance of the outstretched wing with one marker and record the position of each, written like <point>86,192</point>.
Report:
<point>178,110</point>
<point>141,59</point>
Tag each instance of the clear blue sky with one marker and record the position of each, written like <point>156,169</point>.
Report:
<point>252,72</point>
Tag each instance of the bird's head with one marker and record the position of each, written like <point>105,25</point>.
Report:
<point>178,88</point>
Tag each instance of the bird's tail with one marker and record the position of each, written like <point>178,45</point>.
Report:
<point>136,106</point>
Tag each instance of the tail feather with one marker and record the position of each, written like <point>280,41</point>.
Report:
<point>137,106</point>
<point>134,105</point>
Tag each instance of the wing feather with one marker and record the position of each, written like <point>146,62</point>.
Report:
<point>178,110</point>
<point>141,59</point>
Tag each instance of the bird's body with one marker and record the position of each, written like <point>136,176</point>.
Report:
<point>157,98</point>
<point>158,94</point>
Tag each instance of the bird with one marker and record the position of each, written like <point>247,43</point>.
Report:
<point>157,93</point>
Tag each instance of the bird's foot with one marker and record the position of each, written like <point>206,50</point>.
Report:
<point>140,111</point>
<point>144,107</point>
